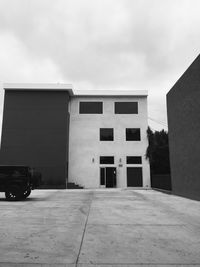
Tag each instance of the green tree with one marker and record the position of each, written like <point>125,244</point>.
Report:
<point>158,151</point>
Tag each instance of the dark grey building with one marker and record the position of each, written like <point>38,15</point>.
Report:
<point>35,130</point>
<point>183,107</point>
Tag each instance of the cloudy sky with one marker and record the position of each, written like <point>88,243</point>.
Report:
<point>100,44</point>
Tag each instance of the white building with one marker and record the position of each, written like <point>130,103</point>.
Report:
<point>108,140</point>
<point>91,138</point>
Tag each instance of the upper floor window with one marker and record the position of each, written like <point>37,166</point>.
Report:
<point>132,134</point>
<point>106,160</point>
<point>91,107</point>
<point>106,134</point>
<point>126,107</point>
<point>133,160</point>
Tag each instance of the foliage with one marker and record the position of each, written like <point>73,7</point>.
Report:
<point>158,152</point>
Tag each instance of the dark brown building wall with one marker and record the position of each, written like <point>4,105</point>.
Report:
<point>183,107</point>
<point>35,132</point>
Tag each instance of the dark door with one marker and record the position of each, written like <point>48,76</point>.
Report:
<point>134,176</point>
<point>110,177</point>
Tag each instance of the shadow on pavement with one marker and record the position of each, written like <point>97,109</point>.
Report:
<point>3,199</point>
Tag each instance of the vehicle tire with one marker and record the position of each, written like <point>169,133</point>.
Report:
<point>26,193</point>
<point>14,192</point>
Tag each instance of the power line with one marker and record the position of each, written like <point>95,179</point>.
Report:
<point>159,122</point>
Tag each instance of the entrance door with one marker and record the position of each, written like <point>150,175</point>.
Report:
<point>134,176</point>
<point>108,176</point>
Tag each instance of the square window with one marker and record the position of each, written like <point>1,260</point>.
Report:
<point>107,160</point>
<point>132,134</point>
<point>91,107</point>
<point>133,160</point>
<point>106,134</point>
<point>126,107</point>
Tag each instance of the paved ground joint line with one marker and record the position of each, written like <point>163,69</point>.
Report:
<point>80,264</point>
<point>86,221</point>
<point>137,264</point>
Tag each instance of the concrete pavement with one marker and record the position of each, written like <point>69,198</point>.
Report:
<point>105,227</point>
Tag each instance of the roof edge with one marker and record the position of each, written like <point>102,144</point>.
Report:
<point>69,88</point>
<point>39,87</point>
<point>110,92</point>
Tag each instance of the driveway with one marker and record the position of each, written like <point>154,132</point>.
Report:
<point>105,228</point>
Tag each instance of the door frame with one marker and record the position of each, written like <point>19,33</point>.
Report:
<point>105,174</point>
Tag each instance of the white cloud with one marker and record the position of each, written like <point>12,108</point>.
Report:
<point>19,65</point>
<point>100,44</point>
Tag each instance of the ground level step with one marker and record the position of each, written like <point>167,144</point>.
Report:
<point>73,186</point>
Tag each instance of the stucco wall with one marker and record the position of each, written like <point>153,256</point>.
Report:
<point>85,147</point>
<point>35,133</point>
<point>183,107</point>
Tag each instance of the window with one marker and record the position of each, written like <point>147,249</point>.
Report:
<point>107,160</point>
<point>126,107</point>
<point>91,107</point>
<point>106,134</point>
<point>133,160</point>
<point>102,176</point>
<point>132,134</point>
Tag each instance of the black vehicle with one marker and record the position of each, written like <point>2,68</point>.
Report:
<point>18,181</point>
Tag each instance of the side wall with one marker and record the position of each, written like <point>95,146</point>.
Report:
<point>183,106</point>
<point>35,133</point>
<point>85,148</point>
